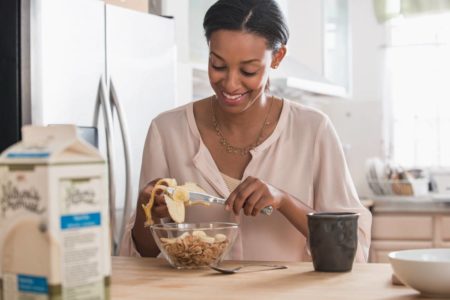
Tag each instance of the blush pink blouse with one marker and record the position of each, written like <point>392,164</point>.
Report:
<point>303,156</point>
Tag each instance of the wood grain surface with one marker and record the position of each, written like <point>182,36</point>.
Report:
<point>151,278</point>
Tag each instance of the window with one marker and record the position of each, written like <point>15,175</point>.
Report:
<point>418,90</point>
<point>337,43</point>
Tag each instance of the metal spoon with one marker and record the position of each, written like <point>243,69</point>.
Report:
<point>238,269</point>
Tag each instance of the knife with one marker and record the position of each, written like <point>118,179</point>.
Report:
<point>213,199</point>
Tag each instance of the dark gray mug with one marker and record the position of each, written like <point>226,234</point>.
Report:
<point>333,239</point>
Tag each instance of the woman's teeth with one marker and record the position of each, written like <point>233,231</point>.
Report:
<point>232,97</point>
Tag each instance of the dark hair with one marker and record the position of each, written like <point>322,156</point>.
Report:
<point>261,17</point>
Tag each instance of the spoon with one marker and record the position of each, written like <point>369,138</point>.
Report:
<point>238,269</point>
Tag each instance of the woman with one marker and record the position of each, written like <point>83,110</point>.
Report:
<point>251,147</point>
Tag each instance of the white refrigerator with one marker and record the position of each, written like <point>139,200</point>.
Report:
<point>91,64</point>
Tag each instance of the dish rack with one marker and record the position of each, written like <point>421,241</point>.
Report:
<point>408,187</point>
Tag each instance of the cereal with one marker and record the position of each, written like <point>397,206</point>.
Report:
<point>196,249</point>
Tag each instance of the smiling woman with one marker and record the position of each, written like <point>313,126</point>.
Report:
<point>246,145</point>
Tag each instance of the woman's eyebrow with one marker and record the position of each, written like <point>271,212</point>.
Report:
<point>244,62</point>
<point>217,55</point>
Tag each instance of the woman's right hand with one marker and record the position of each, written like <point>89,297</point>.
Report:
<point>159,209</point>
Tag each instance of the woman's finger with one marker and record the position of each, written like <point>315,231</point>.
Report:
<point>159,200</point>
<point>251,201</point>
<point>263,202</point>
<point>161,211</point>
<point>241,193</point>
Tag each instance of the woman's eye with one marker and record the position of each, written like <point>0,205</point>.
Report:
<point>248,74</point>
<point>219,68</point>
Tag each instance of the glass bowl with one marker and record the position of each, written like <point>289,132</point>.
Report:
<point>194,245</point>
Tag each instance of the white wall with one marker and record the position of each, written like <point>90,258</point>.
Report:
<point>368,36</point>
<point>305,26</point>
<point>178,9</point>
<point>358,124</point>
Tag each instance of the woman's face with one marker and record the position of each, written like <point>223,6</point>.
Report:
<point>238,68</point>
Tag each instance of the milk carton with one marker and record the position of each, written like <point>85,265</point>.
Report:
<point>54,223</point>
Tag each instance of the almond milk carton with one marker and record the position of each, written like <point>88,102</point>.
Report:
<point>54,223</point>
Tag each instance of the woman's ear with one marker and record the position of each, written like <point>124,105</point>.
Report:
<point>278,56</point>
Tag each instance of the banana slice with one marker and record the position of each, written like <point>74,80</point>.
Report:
<point>207,239</point>
<point>220,237</point>
<point>198,233</point>
<point>176,209</point>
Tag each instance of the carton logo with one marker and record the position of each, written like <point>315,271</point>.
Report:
<point>14,199</point>
<point>75,196</point>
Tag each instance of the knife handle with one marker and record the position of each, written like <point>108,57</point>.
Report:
<point>268,210</point>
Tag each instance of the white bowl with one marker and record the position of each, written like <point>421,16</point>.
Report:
<point>426,270</point>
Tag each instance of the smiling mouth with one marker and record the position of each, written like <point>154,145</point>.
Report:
<point>235,97</point>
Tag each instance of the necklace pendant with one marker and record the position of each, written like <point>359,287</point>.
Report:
<point>236,150</point>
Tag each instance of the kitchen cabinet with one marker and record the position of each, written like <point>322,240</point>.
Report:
<point>401,230</point>
<point>443,231</point>
<point>320,38</point>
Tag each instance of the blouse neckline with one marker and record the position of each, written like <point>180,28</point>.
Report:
<point>265,144</point>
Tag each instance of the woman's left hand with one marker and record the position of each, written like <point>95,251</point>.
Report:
<point>252,195</point>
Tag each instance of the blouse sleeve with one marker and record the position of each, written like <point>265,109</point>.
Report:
<point>333,186</point>
<point>154,160</point>
<point>154,165</point>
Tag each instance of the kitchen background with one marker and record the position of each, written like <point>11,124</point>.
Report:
<point>378,68</point>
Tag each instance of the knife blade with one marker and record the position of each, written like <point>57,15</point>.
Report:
<point>213,199</point>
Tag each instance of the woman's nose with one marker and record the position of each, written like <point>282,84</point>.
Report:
<point>231,82</point>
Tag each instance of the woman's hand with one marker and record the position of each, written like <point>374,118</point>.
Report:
<point>159,209</point>
<point>252,195</point>
<point>143,240</point>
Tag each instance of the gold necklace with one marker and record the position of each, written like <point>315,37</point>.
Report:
<point>233,149</point>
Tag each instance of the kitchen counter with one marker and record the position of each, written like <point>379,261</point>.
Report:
<point>401,223</point>
<point>151,278</point>
<point>395,204</point>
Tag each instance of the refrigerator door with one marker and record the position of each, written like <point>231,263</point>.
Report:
<point>67,57</point>
<point>141,58</point>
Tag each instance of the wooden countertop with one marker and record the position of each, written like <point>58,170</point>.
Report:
<point>151,278</point>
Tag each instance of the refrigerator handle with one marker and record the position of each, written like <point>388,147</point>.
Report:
<point>127,153</point>
<point>103,103</point>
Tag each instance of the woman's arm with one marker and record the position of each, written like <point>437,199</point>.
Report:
<point>333,191</point>
<point>295,212</point>
<point>253,194</point>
